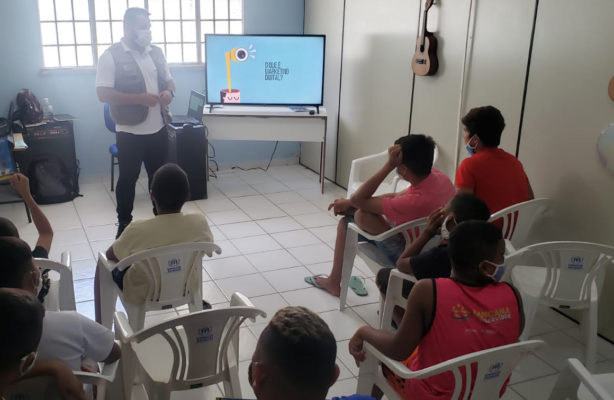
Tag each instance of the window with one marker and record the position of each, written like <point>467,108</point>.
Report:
<point>75,33</point>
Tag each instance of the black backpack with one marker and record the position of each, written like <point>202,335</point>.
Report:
<point>29,108</point>
<point>51,181</point>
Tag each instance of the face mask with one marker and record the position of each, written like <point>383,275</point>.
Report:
<point>445,233</point>
<point>499,271</point>
<point>143,37</point>
<point>470,149</point>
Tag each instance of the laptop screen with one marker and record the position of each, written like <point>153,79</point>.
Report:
<point>196,105</point>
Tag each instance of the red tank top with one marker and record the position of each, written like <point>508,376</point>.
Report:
<point>466,319</point>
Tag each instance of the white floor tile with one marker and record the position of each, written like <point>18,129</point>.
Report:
<point>247,344</point>
<point>344,387</point>
<point>317,300</point>
<point>101,232</point>
<point>270,187</point>
<point>69,237</point>
<point>531,367</point>
<point>212,293</point>
<point>372,296</point>
<point>284,197</point>
<point>312,254</point>
<point>228,267</point>
<point>343,324</point>
<point>295,238</point>
<point>215,204</point>
<point>299,207</point>
<point>249,285</point>
<point>82,269</point>
<point>228,217</point>
<point>258,207</point>
<point>236,190</point>
<point>256,244</point>
<point>536,389</point>
<point>368,312</point>
<point>559,348</point>
<point>327,234</point>
<point>271,260</point>
<point>241,229</point>
<point>228,250</point>
<point>80,251</point>
<point>269,304</point>
<point>87,308</point>
<point>283,224</point>
<point>246,390</point>
<point>315,220</point>
<point>287,279</point>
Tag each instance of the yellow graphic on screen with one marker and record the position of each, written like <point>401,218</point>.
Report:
<point>238,54</point>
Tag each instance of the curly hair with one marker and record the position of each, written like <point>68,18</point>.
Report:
<point>303,348</point>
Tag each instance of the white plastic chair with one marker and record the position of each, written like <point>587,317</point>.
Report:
<point>61,296</point>
<point>518,221</point>
<point>493,365</point>
<point>187,352</point>
<point>576,382</point>
<point>43,387</point>
<point>171,271</point>
<point>565,275</point>
<point>372,256</point>
<point>363,167</point>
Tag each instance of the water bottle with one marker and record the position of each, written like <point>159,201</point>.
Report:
<point>47,110</point>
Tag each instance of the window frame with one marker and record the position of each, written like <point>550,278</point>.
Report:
<point>95,44</point>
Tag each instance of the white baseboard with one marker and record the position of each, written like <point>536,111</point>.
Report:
<point>259,163</point>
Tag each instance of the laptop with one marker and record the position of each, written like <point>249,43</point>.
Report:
<point>195,111</point>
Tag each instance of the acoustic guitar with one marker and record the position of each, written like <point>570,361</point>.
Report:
<point>425,60</point>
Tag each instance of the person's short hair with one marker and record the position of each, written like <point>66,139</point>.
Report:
<point>8,228</point>
<point>21,317</point>
<point>472,242</point>
<point>486,122</point>
<point>132,13</point>
<point>170,187</point>
<point>467,207</point>
<point>15,261</point>
<point>418,151</point>
<point>303,349</point>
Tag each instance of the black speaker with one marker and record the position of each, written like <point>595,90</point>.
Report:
<point>192,158</point>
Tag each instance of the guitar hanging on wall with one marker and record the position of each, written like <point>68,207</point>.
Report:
<point>425,60</point>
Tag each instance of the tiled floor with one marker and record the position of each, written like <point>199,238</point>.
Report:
<point>274,230</point>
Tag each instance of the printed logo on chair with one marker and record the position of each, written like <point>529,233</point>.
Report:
<point>174,265</point>
<point>204,335</point>
<point>576,262</point>
<point>493,371</point>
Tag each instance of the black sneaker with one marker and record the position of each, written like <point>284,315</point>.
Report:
<point>207,305</point>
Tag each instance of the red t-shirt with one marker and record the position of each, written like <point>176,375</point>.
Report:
<point>494,176</point>
<point>467,319</point>
<point>420,200</point>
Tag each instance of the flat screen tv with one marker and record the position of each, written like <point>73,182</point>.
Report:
<point>265,69</point>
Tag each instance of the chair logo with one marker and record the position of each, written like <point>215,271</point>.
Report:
<point>204,334</point>
<point>494,371</point>
<point>576,262</point>
<point>174,265</point>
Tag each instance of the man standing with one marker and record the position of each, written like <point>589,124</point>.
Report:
<point>134,79</point>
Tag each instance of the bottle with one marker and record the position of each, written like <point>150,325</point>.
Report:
<point>47,110</point>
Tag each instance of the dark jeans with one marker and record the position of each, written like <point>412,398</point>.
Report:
<point>132,150</point>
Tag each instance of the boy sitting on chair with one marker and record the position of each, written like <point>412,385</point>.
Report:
<point>169,191</point>
<point>67,335</point>
<point>449,317</point>
<point>412,157</point>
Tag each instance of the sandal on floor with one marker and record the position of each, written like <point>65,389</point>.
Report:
<point>313,282</point>
<point>358,286</point>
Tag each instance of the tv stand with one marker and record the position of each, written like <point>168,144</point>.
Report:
<point>236,122</point>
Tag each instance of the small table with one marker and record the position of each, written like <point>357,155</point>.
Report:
<point>267,123</point>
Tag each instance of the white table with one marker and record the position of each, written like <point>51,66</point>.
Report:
<point>267,123</point>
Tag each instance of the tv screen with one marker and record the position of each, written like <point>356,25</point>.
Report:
<point>264,69</point>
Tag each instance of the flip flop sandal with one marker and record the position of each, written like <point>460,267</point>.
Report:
<point>358,286</point>
<point>312,280</point>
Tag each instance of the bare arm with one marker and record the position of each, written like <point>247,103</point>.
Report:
<point>434,223</point>
<point>399,344</point>
<point>531,194</point>
<point>461,190</point>
<point>115,97</point>
<point>67,383</point>
<point>111,255</point>
<point>21,184</point>
<point>114,355</point>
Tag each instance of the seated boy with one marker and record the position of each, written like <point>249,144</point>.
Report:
<point>21,184</point>
<point>491,174</point>
<point>169,191</point>
<point>67,335</point>
<point>435,262</point>
<point>412,157</point>
<point>295,358</point>
<point>443,319</point>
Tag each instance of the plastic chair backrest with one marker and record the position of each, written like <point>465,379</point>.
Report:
<point>518,220</point>
<point>201,344</point>
<point>108,121</point>
<point>170,270</point>
<point>66,290</point>
<point>571,269</point>
<point>575,381</point>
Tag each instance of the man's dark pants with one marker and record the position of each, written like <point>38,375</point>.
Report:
<point>132,150</point>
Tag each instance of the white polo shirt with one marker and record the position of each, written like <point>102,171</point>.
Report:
<point>105,77</point>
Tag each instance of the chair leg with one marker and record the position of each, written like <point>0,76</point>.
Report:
<point>530,305</point>
<point>112,171</point>
<point>589,328</point>
<point>349,254</point>
<point>108,296</point>
<point>366,375</point>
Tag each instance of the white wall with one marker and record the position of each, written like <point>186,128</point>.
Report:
<point>325,17</point>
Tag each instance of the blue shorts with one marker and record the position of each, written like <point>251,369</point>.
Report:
<point>392,247</point>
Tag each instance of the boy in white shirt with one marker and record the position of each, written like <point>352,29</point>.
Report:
<point>67,335</point>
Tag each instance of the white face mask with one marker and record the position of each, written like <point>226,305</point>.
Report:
<point>445,233</point>
<point>143,37</point>
<point>499,271</point>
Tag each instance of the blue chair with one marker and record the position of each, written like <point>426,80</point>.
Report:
<point>108,121</point>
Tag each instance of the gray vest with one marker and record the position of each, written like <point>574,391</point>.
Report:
<point>129,79</point>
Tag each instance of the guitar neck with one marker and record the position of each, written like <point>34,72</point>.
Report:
<point>426,13</point>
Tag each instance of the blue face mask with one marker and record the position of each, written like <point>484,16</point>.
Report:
<point>499,271</point>
<point>470,150</point>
